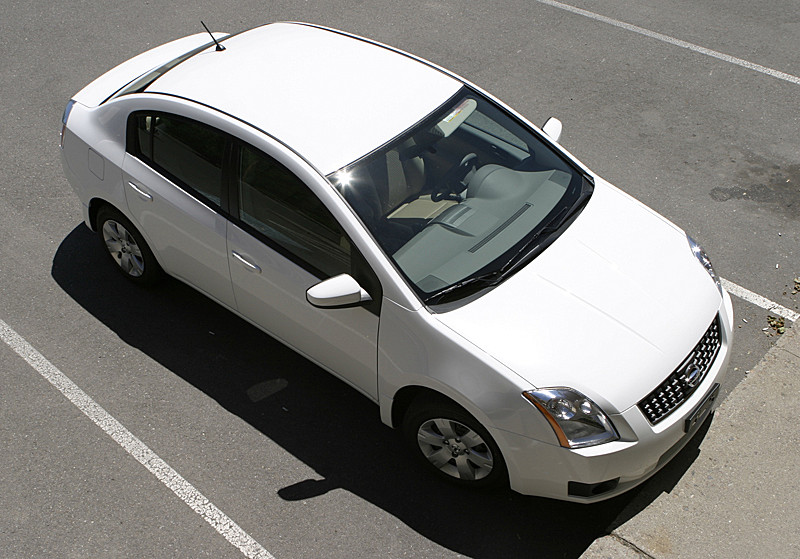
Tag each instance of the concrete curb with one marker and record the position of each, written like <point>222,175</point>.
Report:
<point>739,497</point>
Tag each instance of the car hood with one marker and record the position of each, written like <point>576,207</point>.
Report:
<point>611,308</point>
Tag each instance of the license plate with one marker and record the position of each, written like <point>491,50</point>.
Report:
<point>701,412</point>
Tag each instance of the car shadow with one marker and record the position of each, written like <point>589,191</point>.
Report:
<point>292,401</point>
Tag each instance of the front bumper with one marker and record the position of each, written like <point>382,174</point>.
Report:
<point>604,471</point>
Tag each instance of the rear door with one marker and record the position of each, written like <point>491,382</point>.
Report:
<point>173,177</point>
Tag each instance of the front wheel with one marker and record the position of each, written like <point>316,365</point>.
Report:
<point>126,247</point>
<point>452,442</point>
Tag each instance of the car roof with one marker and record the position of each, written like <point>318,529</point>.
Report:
<point>329,96</point>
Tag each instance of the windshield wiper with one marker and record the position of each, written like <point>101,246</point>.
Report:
<point>530,248</point>
<point>478,282</point>
<point>522,256</point>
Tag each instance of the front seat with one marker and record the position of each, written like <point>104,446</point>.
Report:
<point>386,184</point>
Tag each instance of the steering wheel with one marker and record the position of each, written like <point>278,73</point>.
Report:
<point>452,180</point>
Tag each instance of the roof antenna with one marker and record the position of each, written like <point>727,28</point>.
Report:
<point>219,47</point>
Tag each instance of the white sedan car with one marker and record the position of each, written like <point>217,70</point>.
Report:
<point>516,317</point>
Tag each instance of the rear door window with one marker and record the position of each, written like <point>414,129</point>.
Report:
<point>189,153</point>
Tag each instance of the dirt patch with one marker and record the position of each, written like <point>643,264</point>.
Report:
<point>768,184</point>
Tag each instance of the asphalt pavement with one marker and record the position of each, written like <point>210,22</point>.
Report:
<point>294,457</point>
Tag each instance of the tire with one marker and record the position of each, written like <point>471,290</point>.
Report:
<point>453,444</point>
<point>126,247</point>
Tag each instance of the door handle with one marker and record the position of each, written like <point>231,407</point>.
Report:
<point>147,196</point>
<point>247,264</point>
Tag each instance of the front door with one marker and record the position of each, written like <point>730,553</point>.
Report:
<point>281,242</point>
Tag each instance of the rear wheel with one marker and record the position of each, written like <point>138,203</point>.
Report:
<point>452,443</point>
<point>126,247</point>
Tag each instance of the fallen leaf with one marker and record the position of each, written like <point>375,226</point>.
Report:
<point>776,323</point>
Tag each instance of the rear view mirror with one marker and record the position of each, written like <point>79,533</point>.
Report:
<point>553,128</point>
<point>336,292</point>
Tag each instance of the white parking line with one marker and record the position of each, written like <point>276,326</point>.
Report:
<point>677,42</point>
<point>760,301</point>
<point>136,448</point>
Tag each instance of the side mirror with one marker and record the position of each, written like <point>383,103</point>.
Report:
<point>553,128</point>
<point>337,292</point>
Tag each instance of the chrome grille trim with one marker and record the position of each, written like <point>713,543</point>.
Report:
<point>682,383</point>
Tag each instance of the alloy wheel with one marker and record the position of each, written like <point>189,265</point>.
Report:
<point>455,449</point>
<point>124,248</point>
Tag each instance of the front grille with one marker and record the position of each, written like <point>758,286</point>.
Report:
<point>677,388</point>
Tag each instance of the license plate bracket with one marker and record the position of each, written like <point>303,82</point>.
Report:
<point>701,412</point>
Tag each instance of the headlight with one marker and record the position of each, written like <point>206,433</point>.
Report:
<point>576,420</point>
<point>703,258</point>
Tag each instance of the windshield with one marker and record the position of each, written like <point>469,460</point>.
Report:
<point>462,196</point>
